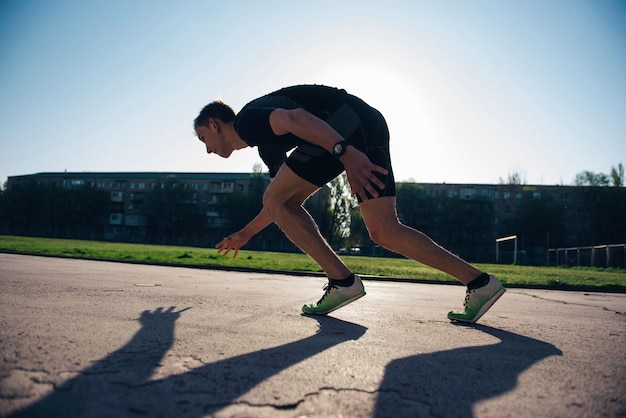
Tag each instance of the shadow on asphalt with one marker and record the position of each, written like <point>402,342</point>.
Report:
<point>120,385</point>
<point>449,383</point>
<point>445,383</point>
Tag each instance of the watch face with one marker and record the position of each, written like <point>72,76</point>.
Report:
<point>338,148</point>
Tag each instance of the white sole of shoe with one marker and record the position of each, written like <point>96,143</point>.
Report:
<point>488,305</point>
<point>357,297</point>
<point>342,304</point>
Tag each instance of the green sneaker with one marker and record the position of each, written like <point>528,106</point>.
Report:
<point>335,297</point>
<point>478,301</point>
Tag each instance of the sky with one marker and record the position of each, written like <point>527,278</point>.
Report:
<point>472,91</point>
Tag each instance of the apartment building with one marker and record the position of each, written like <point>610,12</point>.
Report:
<point>542,217</point>
<point>128,191</point>
<point>466,218</point>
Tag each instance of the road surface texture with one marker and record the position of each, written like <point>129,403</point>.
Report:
<point>98,339</point>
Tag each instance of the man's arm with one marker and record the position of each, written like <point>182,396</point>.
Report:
<point>359,169</point>
<point>240,238</point>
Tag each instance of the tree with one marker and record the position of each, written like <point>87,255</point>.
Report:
<point>341,204</point>
<point>517,177</point>
<point>171,213</point>
<point>538,223</point>
<point>359,236</point>
<point>617,175</point>
<point>461,225</point>
<point>330,208</point>
<point>414,206</point>
<point>605,207</point>
<point>50,211</point>
<point>87,211</point>
<point>589,178</point>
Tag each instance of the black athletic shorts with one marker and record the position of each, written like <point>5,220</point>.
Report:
<point>371,136</point>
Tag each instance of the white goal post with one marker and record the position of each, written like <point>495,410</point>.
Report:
<point>509,238</point>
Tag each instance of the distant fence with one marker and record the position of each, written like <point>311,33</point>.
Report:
<point>613,255</point>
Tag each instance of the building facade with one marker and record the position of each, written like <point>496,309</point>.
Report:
<point>201,208</point>
<point>141,206</point>
<point>469,218</point>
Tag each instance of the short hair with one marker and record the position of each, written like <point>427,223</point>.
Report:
<point>214,110</point>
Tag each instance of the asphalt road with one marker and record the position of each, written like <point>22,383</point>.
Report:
<point>98,339</point>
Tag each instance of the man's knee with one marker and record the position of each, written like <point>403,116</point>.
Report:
<point>275,202</point>
<point>381,235</point>
<point>271,202</point>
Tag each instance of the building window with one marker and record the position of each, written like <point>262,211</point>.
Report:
<point>484,192</point>
<point>468,193</point>
<point>74,183</point>
<point>115,219</point>
<point>117,196</point>
<point>228,187</point>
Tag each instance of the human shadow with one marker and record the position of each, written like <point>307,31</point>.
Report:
<point>449,383</point>
<point>120,384</point>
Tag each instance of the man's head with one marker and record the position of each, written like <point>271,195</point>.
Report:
<point>211,125</point>
<point>214,110</point>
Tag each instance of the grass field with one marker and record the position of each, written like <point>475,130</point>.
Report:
<point>587,279</point>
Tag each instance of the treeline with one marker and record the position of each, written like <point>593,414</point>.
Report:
<point>594,215</point>
<point>46,211</point>
<point>614,178</point>
<point>173,214</point>
<point>168,214</point>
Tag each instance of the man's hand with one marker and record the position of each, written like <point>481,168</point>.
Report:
<point>231,242</point>
<point>359,169</point>
<point>360,172</point>
<point>160,316</point>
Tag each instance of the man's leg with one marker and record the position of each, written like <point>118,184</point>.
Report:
<point>283,199</point>
<point>385,229</point>
<point>483,290</point>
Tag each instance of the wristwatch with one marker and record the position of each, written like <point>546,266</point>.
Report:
<point>340,148</point>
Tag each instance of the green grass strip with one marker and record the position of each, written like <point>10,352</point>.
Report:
<point>584,279</point>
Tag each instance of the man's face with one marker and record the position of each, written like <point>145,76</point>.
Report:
<point>213,139</point>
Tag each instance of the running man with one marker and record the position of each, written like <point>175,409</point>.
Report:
<point>330,131</point>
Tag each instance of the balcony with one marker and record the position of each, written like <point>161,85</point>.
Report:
<point>135,220</point>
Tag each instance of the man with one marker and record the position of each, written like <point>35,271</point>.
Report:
<point>330,131</point>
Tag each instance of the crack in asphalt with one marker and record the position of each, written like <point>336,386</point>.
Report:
<point>567,303</point>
